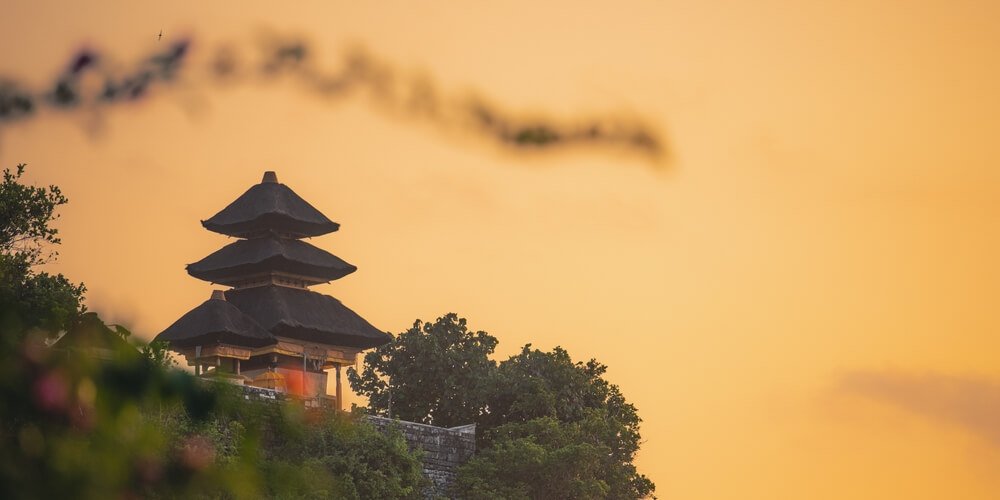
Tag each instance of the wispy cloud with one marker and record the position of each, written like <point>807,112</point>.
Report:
<point>971,403</point>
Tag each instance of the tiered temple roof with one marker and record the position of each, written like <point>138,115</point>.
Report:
<point>270,207</point>
<point>216,321</point>
<point>269,319</point>
<point>307,316</point>
<point>270,254</point>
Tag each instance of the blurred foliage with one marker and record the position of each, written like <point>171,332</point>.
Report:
<point>91,416</point>
<point>78,426</point>
<point>91,82</point>
<point>547,427</point>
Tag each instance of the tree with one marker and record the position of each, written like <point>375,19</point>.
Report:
<point>580,426</point>
<point>33,299</point>
<point>26,213</point>
<point>435,373</point>
<point>542,458</point>
<point>548,427</point>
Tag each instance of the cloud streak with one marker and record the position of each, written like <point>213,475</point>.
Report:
<point>970,403</point>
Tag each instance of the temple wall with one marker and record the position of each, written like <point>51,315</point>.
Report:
<point>445,449</point>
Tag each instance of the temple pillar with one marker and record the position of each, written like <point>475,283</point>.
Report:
<point>340,392</point>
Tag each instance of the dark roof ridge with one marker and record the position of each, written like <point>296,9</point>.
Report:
<point>216,321</point>
<point>306,315</point>
<point>270,254</point>
<point>270,206</point>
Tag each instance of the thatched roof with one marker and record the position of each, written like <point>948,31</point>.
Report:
<point>263,255</point>
<point>270,207</point>
<point>215,321</point>
<point>90,332</point>
<point>306,315</point>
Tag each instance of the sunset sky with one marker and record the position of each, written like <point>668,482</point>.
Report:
<point>800,295</point>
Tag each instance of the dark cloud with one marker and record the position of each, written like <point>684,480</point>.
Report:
<point>356,74</point>
<point>967,402</point>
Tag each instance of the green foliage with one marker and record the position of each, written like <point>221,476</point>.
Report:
<point>535,386</point>
<point>358,460</point>
<point>75,425</point>
<point>287,452</point>
<point>548,427</point>
<point>40,300</point>
<point>545,457</point>
<point>158,352</point>
<point>434,373</point>
<point>26,213</point>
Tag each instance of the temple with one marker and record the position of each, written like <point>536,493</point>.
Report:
<point>268,329</point>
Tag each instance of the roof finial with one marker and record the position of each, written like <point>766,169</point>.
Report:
<point>269,176</point>
<point>218,295</point>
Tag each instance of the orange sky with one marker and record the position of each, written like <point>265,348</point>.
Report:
<point>801,303</point>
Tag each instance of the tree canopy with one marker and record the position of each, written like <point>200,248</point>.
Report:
<point>26,214</point>
<point>548,427</point>
<point>434,373</point>
<point>36,299</point>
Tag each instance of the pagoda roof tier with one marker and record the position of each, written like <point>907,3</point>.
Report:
<point>234,263</point>
<point>270,207</point>
<point>306,315</point>
<point>216,321</point>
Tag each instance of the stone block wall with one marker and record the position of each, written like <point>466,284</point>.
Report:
<point>444,449</point>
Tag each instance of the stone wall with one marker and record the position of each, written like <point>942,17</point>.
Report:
<point>444,449</point>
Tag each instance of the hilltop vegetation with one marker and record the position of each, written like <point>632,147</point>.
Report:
<point>75,426</point>
<point>547,427</point>
<point>130,425</point>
